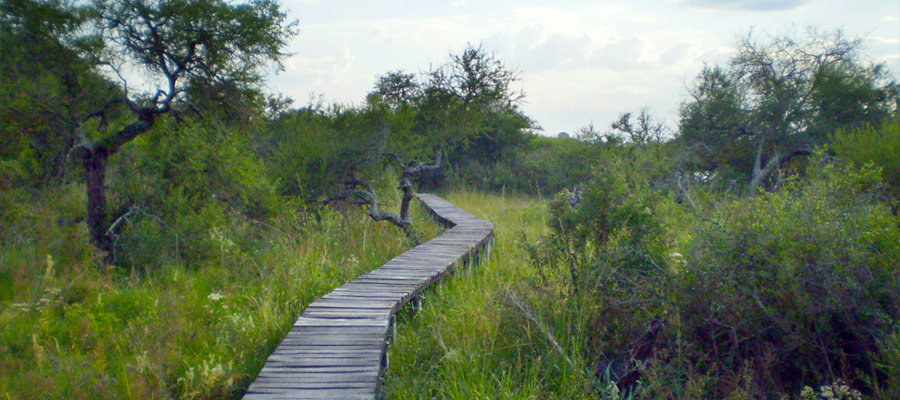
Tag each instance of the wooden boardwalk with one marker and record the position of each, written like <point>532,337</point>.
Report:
<point>338,346</point>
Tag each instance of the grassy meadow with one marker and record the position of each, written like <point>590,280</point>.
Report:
<point>69,330</point>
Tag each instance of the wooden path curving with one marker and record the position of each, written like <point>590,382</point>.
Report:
<point>338,346</point>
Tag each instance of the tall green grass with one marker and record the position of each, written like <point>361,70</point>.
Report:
<point>69,330</point>
<point>479,334</point>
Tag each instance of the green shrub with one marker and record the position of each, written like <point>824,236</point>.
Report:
<point>611,239</point>
<point>610,226</point>
<point>879,146</point>
<point>183,191</point>
<point>796,287</point>
<point>41,228</point>
<point>765,295</point>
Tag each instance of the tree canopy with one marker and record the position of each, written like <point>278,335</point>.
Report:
<point>183,47</point>
<point>781,97</point>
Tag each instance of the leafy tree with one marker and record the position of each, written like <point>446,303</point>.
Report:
<point>44,84</point>
<point>476,78</point>
<point>779,99</point>
<point>396,88</point>
<point>711,120</point>
<point>466,107</point>
<point>645,127</point>
<point>181,45</point>
<point>469,103</point>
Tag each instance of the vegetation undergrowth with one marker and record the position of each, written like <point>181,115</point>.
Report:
<point>70,330</point>
<point>478,334</point>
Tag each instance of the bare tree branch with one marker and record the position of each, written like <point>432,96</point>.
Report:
<point>363,194</point>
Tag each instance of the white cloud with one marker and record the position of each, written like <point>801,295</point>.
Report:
<point>618,55</point>
<point>557,50</point>
<point>883,40</point>
<point>747,5</point>
<point>322,70</point>
<point>675,54</point>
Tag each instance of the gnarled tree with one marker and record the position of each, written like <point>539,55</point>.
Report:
<point>780,98</point>
<point>363,193</point>
<point>180,45</point>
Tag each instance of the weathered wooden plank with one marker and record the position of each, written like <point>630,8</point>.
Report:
<point>315,385</point>
<point>362,296</point>
<point>285,371</point>
<point>313,352</point>
<point>340,322</point>
<point>341,303</point>
<point>322,313</point>
<point>310,394</point>
<point>311,349</point>
<point>320,393</point>
<point>335,341</point>
<point>324,377</point>
<point>287,361</point>
<point>336,331</point>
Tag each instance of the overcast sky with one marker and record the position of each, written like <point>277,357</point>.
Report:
<point>580,62</point>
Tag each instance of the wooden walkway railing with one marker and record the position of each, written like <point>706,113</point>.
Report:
<point>338,346</point>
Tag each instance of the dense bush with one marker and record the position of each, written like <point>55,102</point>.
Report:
<point>311,152</point>
<point>610,224</point>
<point>180,187</point>
<point>799,287</point>
<point>879,146</point>
<point>551,164</point>
<point>763,296</point>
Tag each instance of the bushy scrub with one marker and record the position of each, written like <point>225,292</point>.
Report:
<point>609,235</point>
<point>550,164</point>
<point>608,224</point>
<point>769,295</point>
<point>312,152</point>
<point>186,193</point>
<point>39,227</point>
<point>797,287</point>
<point>878,146</point>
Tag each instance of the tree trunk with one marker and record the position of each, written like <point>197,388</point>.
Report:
<point>407,198</point>
<point>94,160</point>
<point>94,164</point>
<point>760,174</point>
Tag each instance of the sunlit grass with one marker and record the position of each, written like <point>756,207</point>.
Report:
<point>468,342</point>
